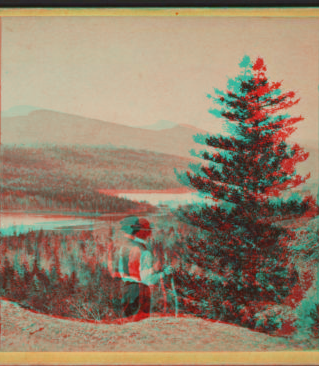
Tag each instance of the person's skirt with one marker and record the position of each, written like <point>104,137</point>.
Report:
<point>136,299</point>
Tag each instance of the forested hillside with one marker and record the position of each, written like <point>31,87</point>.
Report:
<point>69,178</point>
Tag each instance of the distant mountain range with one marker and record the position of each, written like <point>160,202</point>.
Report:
<point>31,125</point>
<point>24,110</point>
<point>20,110</point>
<point>160,125</point>
<point>46,126</point>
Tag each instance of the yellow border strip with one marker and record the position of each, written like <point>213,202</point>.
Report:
<point>160,358</point>
<point>184,12</point>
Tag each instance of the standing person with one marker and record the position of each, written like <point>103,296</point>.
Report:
<point>136,267</point>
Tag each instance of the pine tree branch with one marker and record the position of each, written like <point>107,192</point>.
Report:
<point>217,191</point>
<point>225,143</point>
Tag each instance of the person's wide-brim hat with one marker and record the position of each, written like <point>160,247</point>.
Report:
<point>134,224</point>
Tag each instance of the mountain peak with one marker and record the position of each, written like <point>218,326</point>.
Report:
<point>19,110</point>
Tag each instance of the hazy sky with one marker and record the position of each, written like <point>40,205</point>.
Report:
<point>137,71</point>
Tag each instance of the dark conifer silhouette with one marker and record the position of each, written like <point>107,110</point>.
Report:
<point>244,256</point>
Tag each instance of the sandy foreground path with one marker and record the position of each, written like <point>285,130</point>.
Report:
<point>25,331</point>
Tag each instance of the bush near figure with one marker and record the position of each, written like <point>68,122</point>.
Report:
<point>244,258</point>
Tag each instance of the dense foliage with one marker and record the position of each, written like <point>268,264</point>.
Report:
<point>68,200</point>
<point>65,273</point>
<point>305,251</point>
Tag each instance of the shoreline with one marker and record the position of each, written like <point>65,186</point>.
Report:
<point>114,192</point>
<point>72,214</point>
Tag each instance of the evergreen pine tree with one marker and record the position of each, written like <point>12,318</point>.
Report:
<point>243,259</point>
<point>36,286</point>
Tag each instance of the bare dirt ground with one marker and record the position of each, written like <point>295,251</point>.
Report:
<point>26,331</point>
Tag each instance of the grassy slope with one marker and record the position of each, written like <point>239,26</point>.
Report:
<point>25,331</point>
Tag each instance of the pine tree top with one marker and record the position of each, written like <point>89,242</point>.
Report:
<point>254,162</point>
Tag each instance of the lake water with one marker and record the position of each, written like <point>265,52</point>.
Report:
<point>170,199</point>
<point>11,222</point>
<point>16,222</point>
